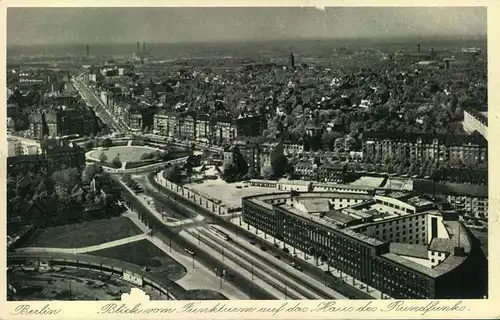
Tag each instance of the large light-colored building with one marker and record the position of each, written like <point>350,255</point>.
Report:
<point>402,244</point>
<point>476,121</point>
<point>22,147</point>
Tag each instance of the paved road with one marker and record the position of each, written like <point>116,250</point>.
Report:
<point>309,283</point>
<point>294,289</point>
<point>95,103</point>
<point>309,270</point>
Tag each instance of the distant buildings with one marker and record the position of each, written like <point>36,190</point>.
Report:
<point>61,122</point>
<point>326,172</point>
<point>466,148</point>
<point>55,155</point>
<point>468,199</point>
<point>215,129</point>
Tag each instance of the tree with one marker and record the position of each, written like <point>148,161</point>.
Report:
<point>103,157</point>
<point>252,173</point>
<point>172,173</point>
<point>67,179</point>
<point>339,144</point>
<point>90,172</point>
<point>89,145</point>
<point>116,162</point>
<point>268,172</point>
<point>229,171</point>
<point>106,143</point>
<point>280,165</point>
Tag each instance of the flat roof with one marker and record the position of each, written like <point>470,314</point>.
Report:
<point>325,222</point>
<point>418,201</point>
<point>340,216</point>
<point>408,249</point>
<point>314,204</point>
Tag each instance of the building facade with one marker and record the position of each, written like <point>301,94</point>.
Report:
<point>475,121</point>
<point>426,254</point>
<point>466,148</point>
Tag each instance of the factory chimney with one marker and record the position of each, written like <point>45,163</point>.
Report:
<point>138,48</point>
<point>447,62</point>
<point>418,48</point>
<point>88,50</point>
<point>144,47</point>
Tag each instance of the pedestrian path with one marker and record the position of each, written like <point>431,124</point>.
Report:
<point>86,249</point>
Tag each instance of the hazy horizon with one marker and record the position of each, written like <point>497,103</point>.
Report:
<point>97,26</point>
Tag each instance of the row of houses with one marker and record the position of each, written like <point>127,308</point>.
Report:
<point>469,149</point>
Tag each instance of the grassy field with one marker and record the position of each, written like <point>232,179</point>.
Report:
<point>132,153</point>
<point>228,193</point>
<point>88,233</point>
<point>145,254</point>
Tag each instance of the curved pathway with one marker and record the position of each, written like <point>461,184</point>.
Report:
<point>86,249</point>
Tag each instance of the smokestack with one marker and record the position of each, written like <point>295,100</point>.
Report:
<point>144,47</point>
<point>138,48</point>
<point>447,62</point>
<point>418,48</point>
<point>88,51</point>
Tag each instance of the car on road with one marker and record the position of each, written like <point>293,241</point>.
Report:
<point>278,257</point>
<point>191,252</point>
<point>263,248</point>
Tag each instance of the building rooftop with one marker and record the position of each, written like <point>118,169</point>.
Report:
<point>418,201</point>
<point>408,249</point>
<point>340,217</point>
<point>294,182</point>
<point>314,204</point>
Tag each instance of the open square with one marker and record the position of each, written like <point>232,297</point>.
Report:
<point>229,193</point>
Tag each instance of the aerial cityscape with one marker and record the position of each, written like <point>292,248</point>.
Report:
<point>247,153</point>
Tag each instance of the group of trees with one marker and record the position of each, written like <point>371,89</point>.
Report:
<point>115,162</point>
<point>131,183</point>
<point>156,155</point>
<point>59,198</point>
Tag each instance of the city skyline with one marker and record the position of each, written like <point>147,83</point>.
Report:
<point>35,26</point>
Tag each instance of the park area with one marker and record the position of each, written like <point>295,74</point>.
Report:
<point>85,234</point>
<point>125,153</point>
<point>145,254</point>
<point>229,193</point>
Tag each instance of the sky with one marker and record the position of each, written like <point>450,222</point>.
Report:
<point>28,26</point>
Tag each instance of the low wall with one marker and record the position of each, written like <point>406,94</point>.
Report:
<point>192,196</point>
